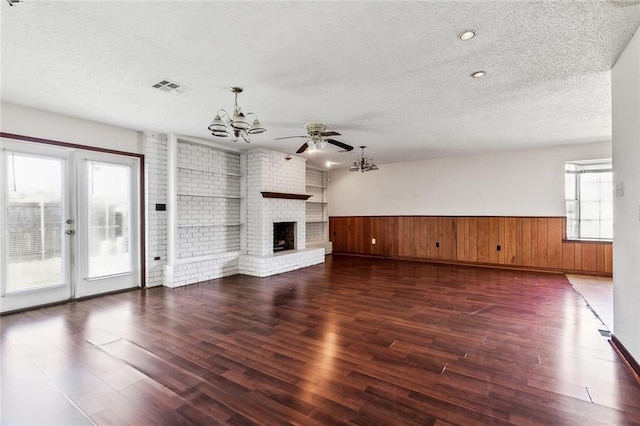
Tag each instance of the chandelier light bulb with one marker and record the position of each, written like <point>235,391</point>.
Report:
<point>217,125</point>
<point>240,122</point>
<point>256,128</point>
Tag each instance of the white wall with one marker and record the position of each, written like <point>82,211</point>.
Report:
<point>516,183</point>
<point>156,222</point>
<point>42,124</point>
<point>625,83</point>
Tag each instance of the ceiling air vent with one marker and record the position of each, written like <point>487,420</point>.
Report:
<point>170,87</point>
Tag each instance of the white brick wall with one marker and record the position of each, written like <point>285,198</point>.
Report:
<point>208,210</point>
<point>155,175</point>
<point>315,232</point>
<point>200,210</point>
<point>207,159</point>
<point>315,177</point>
<point>270,171</point>
<point>208,214</point>
<point>317,194</point>
<point>196,271</point>
<point>264,266</point>
<point>315,212</point>
<point>198,241</point>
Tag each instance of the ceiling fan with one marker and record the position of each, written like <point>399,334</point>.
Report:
<point>318,138</point>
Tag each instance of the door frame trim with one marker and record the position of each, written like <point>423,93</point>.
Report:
<point>140,157</point>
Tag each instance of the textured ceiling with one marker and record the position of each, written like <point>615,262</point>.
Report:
<point>389,75</point>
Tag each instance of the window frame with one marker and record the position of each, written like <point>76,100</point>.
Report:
<point>580,169</point>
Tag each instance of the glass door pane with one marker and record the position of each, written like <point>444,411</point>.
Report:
<point>35,205</point>
<point>34,225</point>
<point>109,199</point>
<point>108,229</point>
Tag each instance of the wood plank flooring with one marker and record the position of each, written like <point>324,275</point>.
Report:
<point>598,293</point>
<point>352,341</point>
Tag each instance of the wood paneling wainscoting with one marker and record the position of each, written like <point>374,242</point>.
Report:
<point>524,242</point>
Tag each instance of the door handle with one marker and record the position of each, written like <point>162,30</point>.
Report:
<point>70,232</point>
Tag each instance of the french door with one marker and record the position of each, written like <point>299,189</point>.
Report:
<point>69,224</point>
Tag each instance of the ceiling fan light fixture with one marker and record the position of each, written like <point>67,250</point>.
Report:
<point>317,138</point>
<point>467,35</point>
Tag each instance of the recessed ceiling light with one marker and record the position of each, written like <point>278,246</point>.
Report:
<point>467,35</point>
<point>478,74</point>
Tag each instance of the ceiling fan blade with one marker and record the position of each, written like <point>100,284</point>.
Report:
<point>303,148</point>
<point>330,134</point>
<point>291,137</point>
<point>340,144</point>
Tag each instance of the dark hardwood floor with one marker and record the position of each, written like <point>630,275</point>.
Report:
<point>352,341</point>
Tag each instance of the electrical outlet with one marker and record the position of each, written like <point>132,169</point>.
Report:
<point>498,248</point>
<point>373,241</point>
<point>437,244</point>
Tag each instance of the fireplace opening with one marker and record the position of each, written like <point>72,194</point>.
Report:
<point>284,236</point>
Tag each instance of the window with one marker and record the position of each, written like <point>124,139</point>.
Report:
<point>589,199</point>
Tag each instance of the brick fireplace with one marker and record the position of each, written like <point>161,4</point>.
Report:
<point>271,171</point>
<point>234,233</point>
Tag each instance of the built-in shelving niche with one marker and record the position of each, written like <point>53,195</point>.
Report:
<point>208,183</point>
<point>317,214</point>
<point>206,208</point>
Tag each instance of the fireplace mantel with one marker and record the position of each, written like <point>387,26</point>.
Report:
<point>285,195</point>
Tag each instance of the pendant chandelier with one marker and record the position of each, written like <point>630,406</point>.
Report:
<point>225,124</point>
<point>363,164</point>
